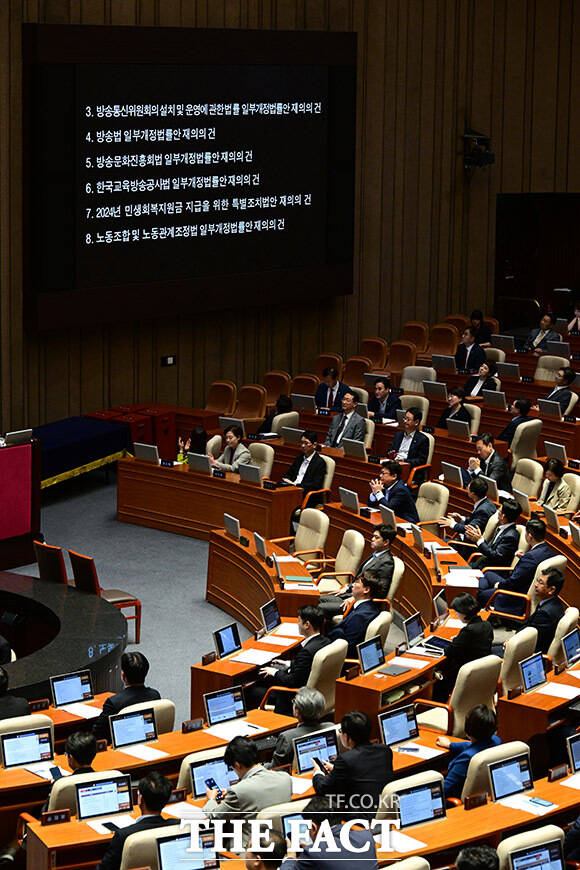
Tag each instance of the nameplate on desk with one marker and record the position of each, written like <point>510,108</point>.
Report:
<point>563,534</point>
<point>55,817</point>
<point>463,372</point>
<point>324,412</point>
<point>569,418</point>
<point>37,706</point>
<point>526,379</point>
<point>269,562</point>
<point>559,669</point>
<point>208,658</point>
<point>401,532</point>
<point>576,355</point>
<point>397,391</point>
<point>352,673</point>
<point>479,799</point>
<point>101,745</point>
<point>515,692</point>
<point>269,484</point>
<point>259,633</point>
<point>191,725</point>
<point>166,463</point>
<point>365,512</point>
<point>573,463</point>
<point>253,437</point>
<point>372,457</point>
<point>217,472</point>
<point>429,429</point>
<point>177,795</point>
<point>401,649</point>
<point>557,772</point>
<point>244,541</point>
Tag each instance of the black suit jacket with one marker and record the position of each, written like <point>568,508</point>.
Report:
<point>314,477</point>
<point>354,625</point>
<point>473,641</point>
<point>418,451</point>
<point>497,468</point>
<point>321,396</point>
<point>483,334</point>
<point>399,500</point>
<point>476,357</point>
<point>545,618</point>
<point>112,857</point>
<point>562,396</point>
<point>393,405</point>
<point>461,414</point>
<point>510,430</point>
<point>130,695</point>
<point>502,551</point>
<point>11,705</point>
<point>364,770</point>
<point>488,384</point>
<point>297,674</point>
<point>479,517</point>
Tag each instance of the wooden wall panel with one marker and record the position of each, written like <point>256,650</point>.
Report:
<point>424,235</point>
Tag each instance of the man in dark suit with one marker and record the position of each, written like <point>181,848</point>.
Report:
<point>489,463</point>
<point>359,774</point>
<point>330,392</point>
<point>154,792</point>
<point>384,404</point>
<point>348,424</point>
<point>520,410</point>
<point>354,625</point>
<point>390,491</point>
<point>10,705</point>
<point>309,469</point>
<point>483,509</point>
<point>562,392</point>
<point>134,669</point>
<point>537,340</point>
<point>504,543</point>
<point>80,750</point>
<point>550,608</point>
<point>469,356</point>
<point>409,444</point>
<point>293,674</point>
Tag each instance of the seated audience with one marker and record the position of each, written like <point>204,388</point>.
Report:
<point>154,792</point>
<point>384,404</point>
<point>308,470</point>
<point>501,549</point>
<point>483,510</point>
<point>562,392</point>
<point>308,707</point>
<point>454,409</point>
<point>469,355</point>
<point>330,392</point>
<point>519,411</point>
<point>235,454</point>
<point>522,574</point>
<point>555,492</point>
<point>550,608</point>
<point>489,463</point>
<point>283,406</point>
<point>257,787</point>
<point>482,330</point>
<point>537,340</point>
<point>80,749</point>
<point>134,669</point>
<point>291,675</point>
<point>353,627</point>
<point>196,443</point>
<point>390,491</point>
<point>574,324</point>
<point>477,858</point>
<point>409,444</point>
<point>348,424</point>
<point>271,854</point>
<point>483,380</point>
<point>473,642</point>
<point>10,705</point>
<point>480,728</point>
<point>359,774</point>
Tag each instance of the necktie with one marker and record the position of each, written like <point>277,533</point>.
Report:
<point>483,467</point>
<point>339,431</point>
<point>330,395</point>
<point>539,337</point>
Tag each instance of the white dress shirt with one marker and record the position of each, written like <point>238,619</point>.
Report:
<point>303,469</point>
<point>346,419</point>
<point>405,446</point>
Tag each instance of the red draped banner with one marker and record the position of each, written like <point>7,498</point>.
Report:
<point>15,490</point>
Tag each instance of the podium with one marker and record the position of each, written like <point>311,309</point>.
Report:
<point>19,503</point>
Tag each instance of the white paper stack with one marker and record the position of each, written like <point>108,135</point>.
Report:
<point>144,752</point>
<point>287,629</point>
<point>183,810</point>
<point>406,662</point>
<point>235,728</point>
<point>98,825</point>
<point>85,711</point>
<point>254,656</point>
<point>300,785</point>
<point>559,690</point>
<point>522,802</point>
<point>420,750</point>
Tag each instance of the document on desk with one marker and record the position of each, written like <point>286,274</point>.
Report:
<point>144,752</point>
<point>407,662</point>
<point>85,711</point>
<point>276,641</point>
<point>254,656</point>
<point>572,781</point>
<point>235,728</point>
<point>454,623</point>
<point>440,548</point>
<point>417,750</point>
<point>280,559</point>
<point>463,577</point>
<point>402,843</point>
<point>42,769</point>
<point>559,690</point>
<point>288,629</point>
<point>300,785</point>
<point>522,802</point>
<point>98,825</point>
<point>183,810</point>
<point>301,585</point>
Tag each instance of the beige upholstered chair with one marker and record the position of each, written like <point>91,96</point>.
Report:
<point>184,780</point>
<point>571,404</point>
<point>276,811</point>
<point>387,800</point>
<point>164,711</point>
<point>412,378</point>
<point>548,367</point>
<point>415,862</point>
<point>325,671</point>
<point>490,531</point>
<point>26,723</point>
<point>524,442</point>
<point>476,683</point>
<point>342,569</point>
<point>361,394</point>
<point>420,468</point>
<point>214,446</point>
<point>477,779</point>
<point>140,849</point>
<point>263,456</point>
<point>474,412</point>
<point>532,602</point>
<point>573,481</point>
<point>495,354</point>
<point>330,469</point>
<point>528,477</point>
<point>398,572</point>
<point>566,624</point>
<point>380,625</point>
<point>63,794</point>
<point>310,538</point>
<point>432,503</point>
<point>290,419</point>
<point>528,838</point>
<point>421,402</point>
<point>370,432</point>
<point>518,647</point>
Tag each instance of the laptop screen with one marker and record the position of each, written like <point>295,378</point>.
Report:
<point>542,856</point>
<point>571,645</point>
<point>214,768</point>
<point>104,797</point>
<point>413,628</point>
<point>321,744</point>
<point>137,727</point>
<point>227,640</point>
<point>225,705</point>
<point>371,654</point>
<point>27,747</point>
<point>418,539</point>
<point>532,671</point>
<point>232,526</point>
<point>71,688</point>
<point>270,615</point>
<point>574,752</point>
<point>510,776</point>
<point>399,725</point>
<point>174,852</point>
<point>440,604</point>
<point>422,803</point>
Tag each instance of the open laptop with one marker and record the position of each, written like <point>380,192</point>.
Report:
<point>146,452</point>
<point>300,402</point>
<point>416,641</point>
<point>370,654</point>
<point>435,390</point>
<point>21,436</point>
<point>551,409</point>
<point>136,727</point>
<point>291,435</point>
<point>558,348</point>
<point>540,856</point>
<point>224,705</point>
<point>215,768</point>
<point>509,371</point>
<point>503,342</point>
<point>492,492</point>
<point>232,526</point>
<point>421,803</point>
<point>532,672</point>
<point>250,474</point>
<point>551,517</point>
<point>227,640</point>
<point>523,501</point>
<point>452,474</point>
<point>575,533</point>
<point>260,544</point>
<point>72,688</point>
<point>573,746</point>
<point>458,429</point>
<point>174,851</point>
<point>510,776</point>
<point>398,725</point>
<point>31,746</point>
<point>418,540</point>
<point>349,500</point>
<point>353,448</point>
<point>494,399</point>
<point>226,422</point>
<point>199,462</point>
<point>388,516</point>
<point>571,647</point>
<point>556,451</point>
<point>319,744</point>
<point>443,363</point>
<point>270,615</point>
<point>104,797</point>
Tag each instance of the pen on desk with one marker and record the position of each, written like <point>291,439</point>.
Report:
<point>255,727</point>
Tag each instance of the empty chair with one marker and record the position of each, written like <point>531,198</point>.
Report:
<point>573,481</point>
<point>548,367</point>
<point>327,665</point>
<point>262,455</point>
<point>493,324</point>
<point>518,647</point>
<point>524,442</point>
<point>26,723</point>
<point>251,404</point>
<point>85,575</point>
<point>401,354</point>
<point>63,794</point>
<point>528,476</point>
<point>459,321</point>
<point>495,353</point>
<point>385,810</point>
<point>380,626</point>
<point>376,350</point>
<point>398,572</point>
<point>474,412</point>
<point>477,779</point>
<point>527,839</point>
<point>214,446</point>
<point>566,624</point>
<point>316,498</point>
<point>412,378</point>
<point>417,332</point>
<point>277,384</point>
<point>341,570</point>
<point>354,370</point>
<point>50,563</point>
<point>370,432</point>
<point>421,402</point>
<point>432,502</point>
<point>443,339</point>
<point>221,398</point>
<point>163,709</point>
<point>476,683</point>
<point>305,384</point>
<point>290,419</point>
<point>328,361</point>
<point>310,538</point>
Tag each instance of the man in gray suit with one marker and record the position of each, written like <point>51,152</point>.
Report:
<point>257,787</point>
<point>308,707</point>
<point>349,424</point>
<point>537,340</point>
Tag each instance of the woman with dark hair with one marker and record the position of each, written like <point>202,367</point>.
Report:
<point>473,641</point>
<point>480,727</point>
<point>555,493</point>
<point>483,380</point>
<point>482,330</point>
<point>283,406</point>
<point>454,409</point>
<point>235,454</point>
